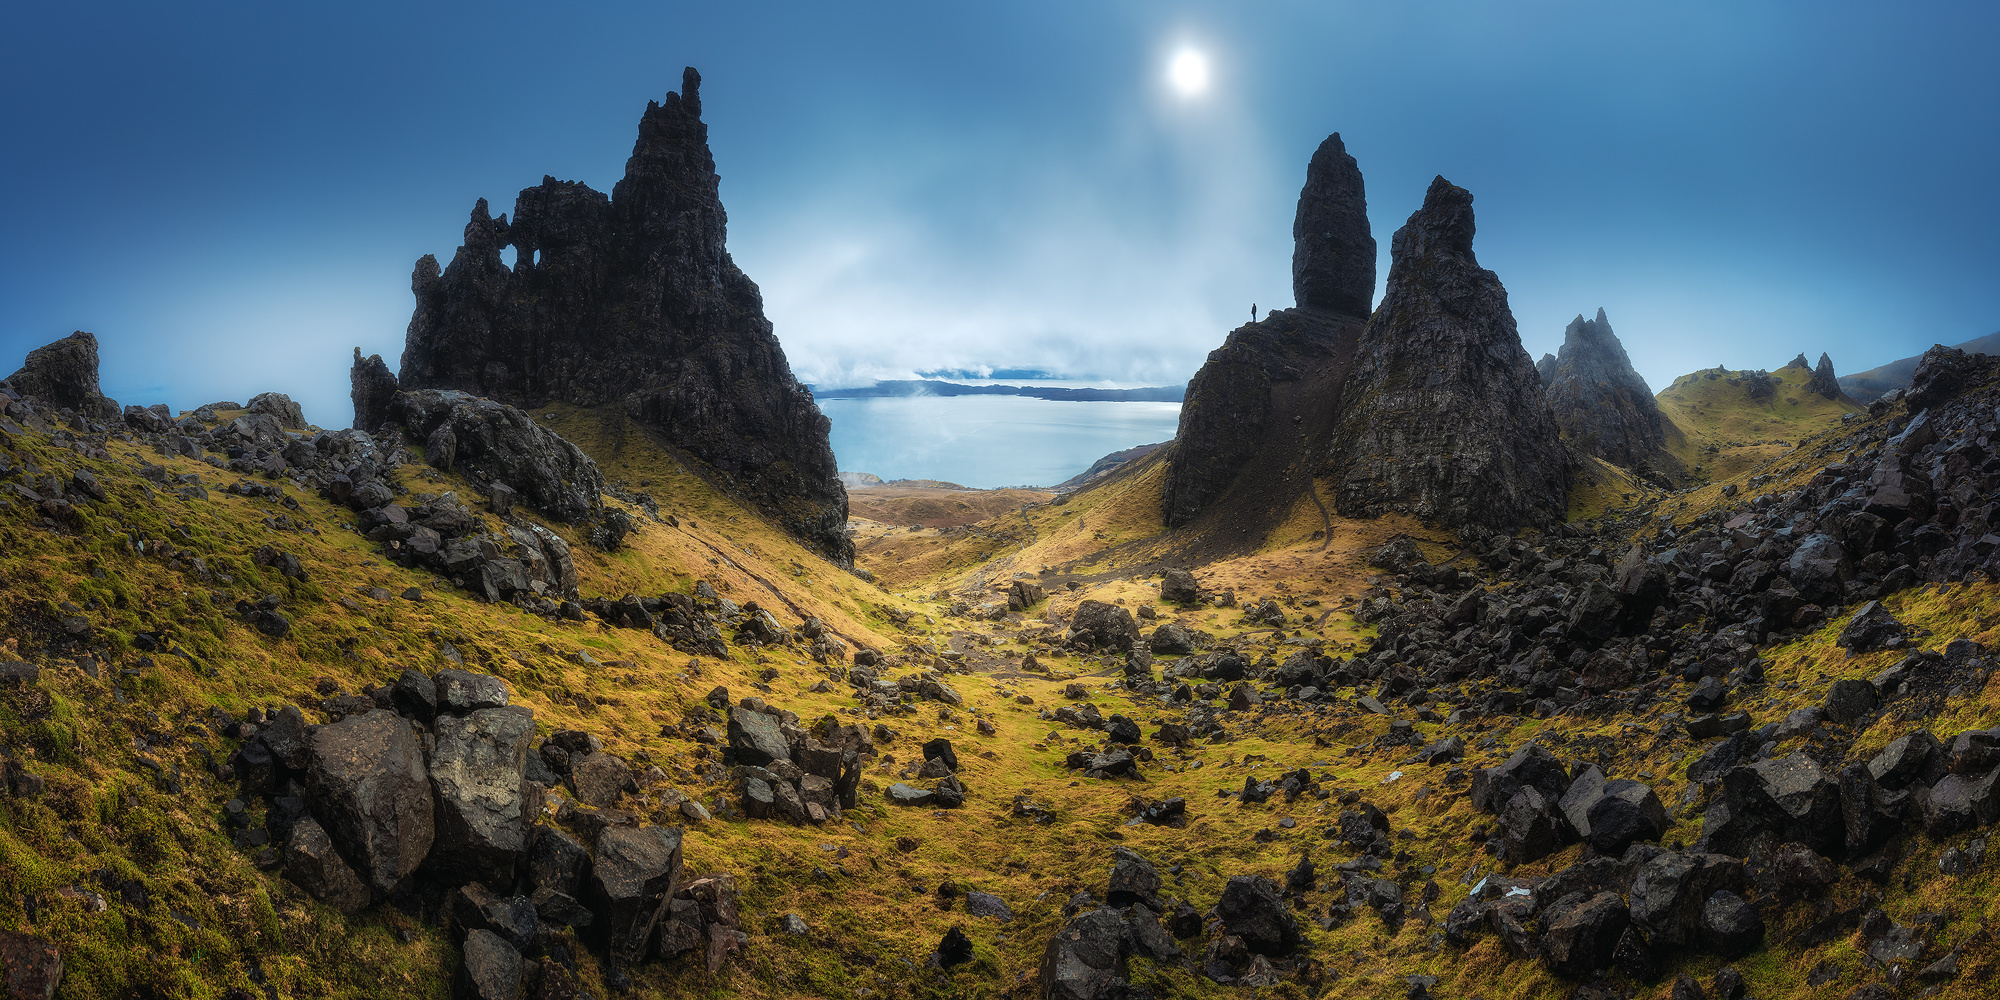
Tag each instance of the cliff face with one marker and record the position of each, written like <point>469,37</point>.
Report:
<point>1268,395</point>
<point>1824,381</point>
<point>1601,404</point>
<point>1444,413</point>
<point>633,301</point>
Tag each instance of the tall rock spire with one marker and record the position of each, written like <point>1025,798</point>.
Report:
<point>1602,405</point>
<point>632,302</point>
<point>1823,381</point>
<point>1333,252</point>
<point>1444,416</point>
<point>1266,400</point>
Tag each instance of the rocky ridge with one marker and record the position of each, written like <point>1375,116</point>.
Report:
<point>629,302</point>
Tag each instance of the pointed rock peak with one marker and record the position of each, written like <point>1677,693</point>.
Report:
<point>1333,251</point>
<point>372,387</point>
<point>1824,381</point>
<point>1595,333</point>
<point>691,91</point>
<point>1442,226</point>
<point>1603,406</point>
<point>1601,321</point>
<point>1546,368</point>
<point>1799,362</point>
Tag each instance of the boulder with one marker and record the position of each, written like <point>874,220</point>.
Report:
<point>634,871</point>
<point>494,441</point>
<point>1178,586</point>
<point>1251,908</point>
<point>1580,934</point>
<point>1086,959</point>
<point>1729,926</point>
<point>1958,803</point>
<point>369,787</point>
<point>64,374</point>
<point>1611,815</point>
<point>312,864</point>
<point>1133,880</point>
<point>1110,626</point>
<point>1791,798</point>
<point>1532,765</point>
<point>1171,639</point>
<point>475,907</point>
<point>557,863</point>
<point>1531,826</point>
<point>598,779</point>
<point>1819,568</point>
<point>478,776</point>
<point>1670,892</point>
<point>1849,701</point>
<point>1871,629</point>
<point>490,969</point>
<point>755,739</point>
<point>415,695</point>
<point>461,691</point>
<point>32,965</point>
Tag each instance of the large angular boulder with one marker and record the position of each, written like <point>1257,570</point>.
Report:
<point>1871,629</point>
<point>1958,803</point>
<point>1086,959</point>
<point>635,870</point>
<point>64,374</point>
<point>1670,891</point>
<point>755,738</point>
<point>32,965</point>
<point>1819,568</point>
<point>312,864</point>
<point>479,777</point>
<point>1532,826</point>
<point>1110,626</point>
<point>1613,814</point>
<point>369,788</point>
<point>1943,373</point>
<point>1532,765</point>
<point>490,969</point>
<point>1252,908</point>
<point>1579,934</point>
<point>1790,798</point>
<point>1133,880</point>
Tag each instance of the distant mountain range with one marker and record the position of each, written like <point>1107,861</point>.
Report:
<point>1868,386</point>
<point>933,387</point>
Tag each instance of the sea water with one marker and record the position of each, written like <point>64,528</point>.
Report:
<point>989,441</point>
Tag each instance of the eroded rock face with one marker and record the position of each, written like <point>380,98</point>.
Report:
<point>1268,396</point>
<point>1945,372</point>
<point>477,774</point>
<point>1443,412</point>
<point>632,302</point>
<point>1602,405</point>
<point>373,386</point>
<point>65,374</point>
<point>1824,381</point>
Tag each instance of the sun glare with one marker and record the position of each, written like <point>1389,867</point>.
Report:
<point>1188,72</point>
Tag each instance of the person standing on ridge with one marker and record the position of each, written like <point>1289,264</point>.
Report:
<point>1253,312</point>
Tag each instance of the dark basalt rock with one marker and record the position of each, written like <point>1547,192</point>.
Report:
<point>478,770</point>
<point>1443,414</point>
<point>633,872</point>
<point>1945,372</point>
<point>1546,368</point>
<point>1333,252</point>
<point>1268,396</point>
<point>373,387</point>
<point>64,374</point>
<point>500,443</point>
<point>632,302</point>
<point>1086,959</point>
<point>1582,933</point>
<point>1110,626</point>
<point>1670,892</point>
<point>1251,908</point>
<point>1824,382</point>
<point>369,787</point>
<point>313,865</point>
<point>1602,405</point>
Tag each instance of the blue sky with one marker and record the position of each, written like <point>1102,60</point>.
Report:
<point>232,195</point>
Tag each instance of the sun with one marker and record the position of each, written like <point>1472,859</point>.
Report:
<point>1187,72</point>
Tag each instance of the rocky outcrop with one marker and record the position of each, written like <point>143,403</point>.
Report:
<point>1267,397</point>
<point>1444,416</point>
<point>632,302</point>
<point>374,387</point>
<point>1546,368</point>
<point>493,443</point>
<point>1943,373</point>
<point>64,374</point>
<point>1602,405</point>
<point>1823,381</point>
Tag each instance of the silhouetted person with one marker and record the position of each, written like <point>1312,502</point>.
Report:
<point>1253,312</point>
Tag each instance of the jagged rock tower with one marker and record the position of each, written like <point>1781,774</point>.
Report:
<point>1824,381</point>
<point>1602,405</point>
<point>633,302</point>
<point>1266,399</point>
<point>64,373</point>
<point>1546,368</point>
<point>1444,415</point>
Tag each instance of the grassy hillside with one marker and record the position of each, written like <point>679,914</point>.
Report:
<point>1726,428</point>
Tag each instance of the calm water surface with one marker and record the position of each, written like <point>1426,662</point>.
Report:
<point>989,441</point>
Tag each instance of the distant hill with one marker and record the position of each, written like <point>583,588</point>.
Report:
<point>1107,465</point>
<point>1724,422</point>
<point>1868,386</point>
<point>932,387</point>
